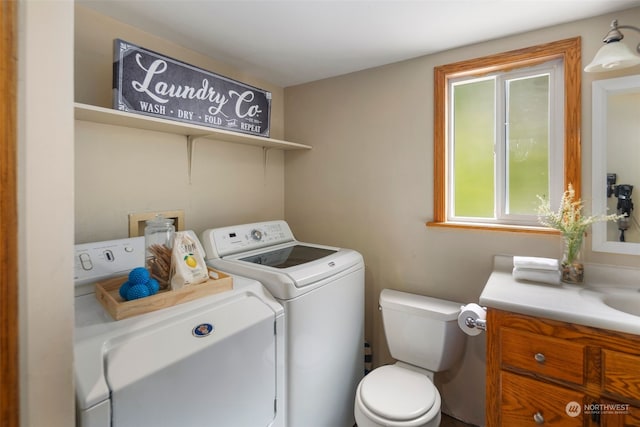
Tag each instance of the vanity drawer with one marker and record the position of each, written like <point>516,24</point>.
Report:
<point>542,355</point>
<point>621,374</point>
<point>527,402</point>
<point>621,417</point>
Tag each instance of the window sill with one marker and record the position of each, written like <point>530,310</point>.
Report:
<point>493,227</point>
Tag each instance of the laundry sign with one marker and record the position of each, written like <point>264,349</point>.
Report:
<point>148,83</point>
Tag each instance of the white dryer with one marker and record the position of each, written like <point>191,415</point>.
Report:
<point>159,370</point>
<point>322,291</point>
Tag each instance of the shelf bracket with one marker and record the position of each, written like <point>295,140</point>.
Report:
<point>265,159</point>
<point>190,143</point>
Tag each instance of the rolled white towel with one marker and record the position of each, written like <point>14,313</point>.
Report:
<point>535,263</point>
<point>542,276</point>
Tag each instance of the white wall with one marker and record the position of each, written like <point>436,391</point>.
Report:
<point>368,185</point>
<point>119,171</point>
<point>45,188</point>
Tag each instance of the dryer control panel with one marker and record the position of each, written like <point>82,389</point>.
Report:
<point>221,242</point>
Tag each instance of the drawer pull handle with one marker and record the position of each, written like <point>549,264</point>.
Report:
<point>538,418</point>
<point>539,357</point>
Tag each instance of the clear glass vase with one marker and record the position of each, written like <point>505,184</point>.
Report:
<point>158,238</point>
<point>572,265</point>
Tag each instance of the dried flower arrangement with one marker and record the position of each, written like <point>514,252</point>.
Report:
<point>568,219</point>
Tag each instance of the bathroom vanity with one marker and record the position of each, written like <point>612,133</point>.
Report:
<point>564,355</point>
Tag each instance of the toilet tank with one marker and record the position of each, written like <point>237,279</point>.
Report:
<point>422,331</point>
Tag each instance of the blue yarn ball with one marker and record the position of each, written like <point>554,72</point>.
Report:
<point>139,276</point>
<point>137,291</point>
<point>153,286</point>
<point>124,288</point>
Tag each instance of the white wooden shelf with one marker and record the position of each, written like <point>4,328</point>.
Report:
<point>91,113</point>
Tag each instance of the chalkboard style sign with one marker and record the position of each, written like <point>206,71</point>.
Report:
<point>148,83</point>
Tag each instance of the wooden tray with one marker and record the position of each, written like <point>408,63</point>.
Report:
<point>107,292</point>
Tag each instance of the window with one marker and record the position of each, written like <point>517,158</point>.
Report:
<point>500,130</point>
<point>506,129</point>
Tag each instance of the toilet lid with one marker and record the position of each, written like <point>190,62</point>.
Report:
<point>397,393</point>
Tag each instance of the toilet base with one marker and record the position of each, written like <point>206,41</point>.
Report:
<point>363,421</point>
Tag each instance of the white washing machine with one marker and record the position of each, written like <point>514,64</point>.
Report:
<point>322,291</point>
<point>159,370</point>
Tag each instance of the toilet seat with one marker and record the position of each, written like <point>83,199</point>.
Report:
<point>413,393</point>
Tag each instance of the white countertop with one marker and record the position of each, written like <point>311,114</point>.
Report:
<point>580,304</point>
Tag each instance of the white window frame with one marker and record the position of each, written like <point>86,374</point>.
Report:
<point>555,70</point>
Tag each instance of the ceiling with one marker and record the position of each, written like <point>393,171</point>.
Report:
<point>298,41</point>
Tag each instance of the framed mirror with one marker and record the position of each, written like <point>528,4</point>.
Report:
<point>616,164</point>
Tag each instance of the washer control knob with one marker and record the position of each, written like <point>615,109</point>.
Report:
<point>256,234</point>
<point>85,261</point>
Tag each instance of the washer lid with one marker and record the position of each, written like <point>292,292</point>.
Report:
<point>397,394</point>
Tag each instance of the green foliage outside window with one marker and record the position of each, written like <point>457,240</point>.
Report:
<point>526,142</point>
<point>474,135</point>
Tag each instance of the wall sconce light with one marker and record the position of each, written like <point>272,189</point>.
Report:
<point>614,54</point>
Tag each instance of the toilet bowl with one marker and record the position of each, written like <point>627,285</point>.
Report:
<point>423,335</point>
<point>395,396</point>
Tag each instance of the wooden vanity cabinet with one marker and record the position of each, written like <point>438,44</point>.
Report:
<point>543,372</point>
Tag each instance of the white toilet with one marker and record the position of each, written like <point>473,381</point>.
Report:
<point>424,337</point>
